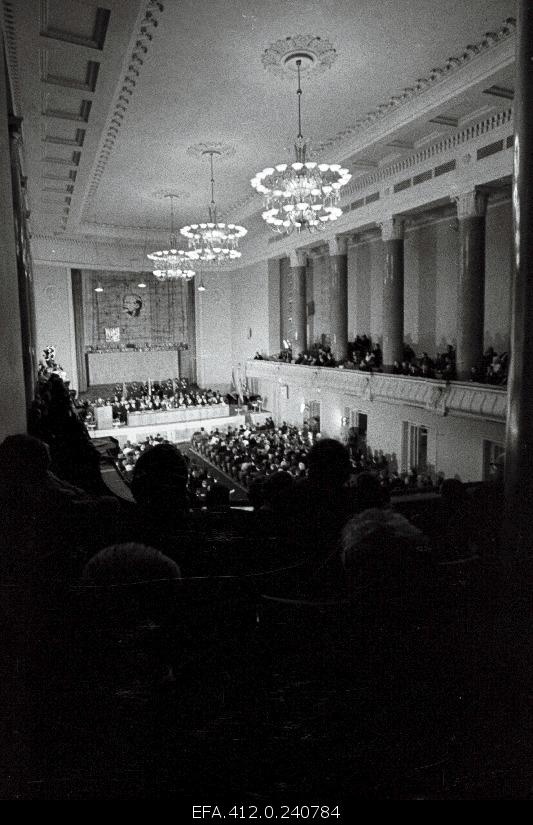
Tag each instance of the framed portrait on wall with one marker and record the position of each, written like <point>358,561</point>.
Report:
<point>112,335</point>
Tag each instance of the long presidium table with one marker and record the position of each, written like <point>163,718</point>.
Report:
<point>145,419</point>
<point>116,367</point>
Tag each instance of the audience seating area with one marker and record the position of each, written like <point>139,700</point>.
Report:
<point>321,643</point>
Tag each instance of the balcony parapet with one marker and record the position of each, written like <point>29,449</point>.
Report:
<point>443,398</point>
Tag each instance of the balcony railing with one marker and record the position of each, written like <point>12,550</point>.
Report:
<point>444,398</point>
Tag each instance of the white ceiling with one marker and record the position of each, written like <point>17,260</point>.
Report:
<point>201,80</point>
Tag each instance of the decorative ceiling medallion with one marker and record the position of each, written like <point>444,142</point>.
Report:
<point>222,150</point>
<point>179,194</point>
<point>315,53</point>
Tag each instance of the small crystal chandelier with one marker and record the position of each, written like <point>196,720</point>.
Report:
<point>304,193</point>
<point>213,242</point>
<point>172,263</point>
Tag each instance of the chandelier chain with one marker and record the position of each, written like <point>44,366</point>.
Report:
<point>303,194</point>
<point>213,241</point>
<point>172,263</point>
<point>299,93</point>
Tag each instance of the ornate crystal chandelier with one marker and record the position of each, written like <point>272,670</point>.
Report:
<point>213,242</point>
<point>304,193</point>
<point>172,263</point>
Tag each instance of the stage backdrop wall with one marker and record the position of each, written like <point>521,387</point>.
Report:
<point>158,314</point>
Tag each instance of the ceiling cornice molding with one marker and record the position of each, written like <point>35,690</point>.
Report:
<point>81,243</point>
<point>9,28</point>
<point>140,44</point>
<point>475,62</point>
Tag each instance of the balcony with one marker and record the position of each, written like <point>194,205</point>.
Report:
<point>457,398</point>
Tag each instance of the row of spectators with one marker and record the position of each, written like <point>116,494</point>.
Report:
<point>368,357</point>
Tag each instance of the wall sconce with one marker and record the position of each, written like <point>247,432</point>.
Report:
<point>99,287</point>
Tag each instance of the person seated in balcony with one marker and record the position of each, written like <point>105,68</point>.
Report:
<point>450,353</point>
<point>349,364</point>
<point>476,374</point>
<point>408,353</point>
<point>404,367</point>
<point>488,355</point>
<point>496,371</point>
<point>378,356</point>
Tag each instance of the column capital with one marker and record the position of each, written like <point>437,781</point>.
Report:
<point>338,245</point>
<point>472,204</point>
<point>298,257</point>
<point>392,229</point>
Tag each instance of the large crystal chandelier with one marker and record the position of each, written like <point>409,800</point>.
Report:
<point>213,242</point>
<point>304,193</point>
<point>172,263</point>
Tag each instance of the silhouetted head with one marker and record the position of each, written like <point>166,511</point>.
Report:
<point>381,550</point>
<point>452,491</point>
<point>160,477</point>
<point>23,459</point>
<point>369,492</point>
<point>217,497</point>
<point>133,582</point>
<point>276,488</point>
<point>328,462</point>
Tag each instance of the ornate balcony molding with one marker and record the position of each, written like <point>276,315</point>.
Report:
<point>454,398</point>
<point>448,144</point>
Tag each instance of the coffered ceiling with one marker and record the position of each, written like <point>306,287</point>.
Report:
<point>118,97</point>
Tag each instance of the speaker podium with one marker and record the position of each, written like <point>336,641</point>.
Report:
<point>104,418</point>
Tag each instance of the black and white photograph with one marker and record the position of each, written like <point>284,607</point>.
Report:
<point>266,407</point>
